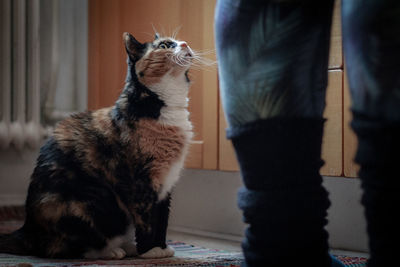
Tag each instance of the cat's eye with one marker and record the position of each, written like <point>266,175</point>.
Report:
<point>163,46</point>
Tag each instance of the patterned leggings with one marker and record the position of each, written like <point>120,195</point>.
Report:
<point>273,57</point>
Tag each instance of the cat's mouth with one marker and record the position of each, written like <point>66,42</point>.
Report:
<point>187,52</point>
<point>182,58</point>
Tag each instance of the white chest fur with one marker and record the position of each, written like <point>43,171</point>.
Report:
<point>174,91</point>
<point>178,118</point>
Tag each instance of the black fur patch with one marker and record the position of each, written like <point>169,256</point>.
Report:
<point>135,105</point>
<point>187,76</point>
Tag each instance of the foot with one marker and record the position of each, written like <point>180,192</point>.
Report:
<point>158,252</point>
<point>130,249</point>
<point>116,254</point>
<point>106,254</point>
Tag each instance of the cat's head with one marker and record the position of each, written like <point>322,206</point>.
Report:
<point>155,60</point>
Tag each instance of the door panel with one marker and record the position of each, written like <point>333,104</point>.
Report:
<point>107,59</point>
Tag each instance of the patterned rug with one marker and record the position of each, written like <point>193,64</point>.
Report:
<point>352,261</point>
<point>185,254</point>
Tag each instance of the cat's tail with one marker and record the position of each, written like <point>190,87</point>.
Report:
<point>14,243</point>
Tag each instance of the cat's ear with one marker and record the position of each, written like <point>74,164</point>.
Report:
<point>156,36</point>
<point>133,47</point>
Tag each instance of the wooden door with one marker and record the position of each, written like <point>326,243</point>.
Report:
<point>107,59</point>
<point>332,147</point>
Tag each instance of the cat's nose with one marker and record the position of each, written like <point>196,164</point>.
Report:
<point>183,44</point>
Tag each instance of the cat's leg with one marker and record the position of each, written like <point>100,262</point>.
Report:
<point>73,240</point>
<point>116,248</point>
<point>78,235</point>
<point>130,249</point>
<point>151,240</point>
<point>129,242</point>
<point>106,218</point>
<point>158,252</point>
<point>162,225</point>
<point>116,253</point>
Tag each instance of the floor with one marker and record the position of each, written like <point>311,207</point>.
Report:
<point>216,243</point>
<point>202,241</point>
<point>189,238</point>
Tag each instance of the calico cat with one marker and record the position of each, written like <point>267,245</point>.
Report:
<point>101,187</point>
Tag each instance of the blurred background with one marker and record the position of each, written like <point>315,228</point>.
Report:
<point>43,78</point>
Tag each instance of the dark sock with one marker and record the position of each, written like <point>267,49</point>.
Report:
<point>283,200</point>
<point>378,154</point>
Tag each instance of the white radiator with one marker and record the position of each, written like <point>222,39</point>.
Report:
<point>20,74</point>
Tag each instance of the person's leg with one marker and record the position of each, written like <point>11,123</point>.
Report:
<point>273,58</point>
<point>371,32</point>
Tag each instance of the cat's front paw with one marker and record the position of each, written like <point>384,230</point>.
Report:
<point>107,254</point>
<point>130,249</point>
<point>158,252</point>
<point>116,254</point>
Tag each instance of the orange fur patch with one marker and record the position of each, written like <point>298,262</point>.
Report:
<point>50,208</point>
<point>153,67</point>
<point>164,143</point>
<point>102,121</point>
<point>71,134</point>
<point>66,133</point>
<point>78,209</point>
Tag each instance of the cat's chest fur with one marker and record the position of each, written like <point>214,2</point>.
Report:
<point>166,142</point>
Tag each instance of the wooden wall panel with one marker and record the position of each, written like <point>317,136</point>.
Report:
<point>332,147</point>
<point>349,138</point>
<point>107,59</point>
<point>210,88</point>
<point>336,54</point>
<point>106,54</point>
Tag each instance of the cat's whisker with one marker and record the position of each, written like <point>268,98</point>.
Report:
<point>176,31</point>
<point>149,34</point>
<point>199,59</point>
<point>171,56</point>
<point>179,59</point>
<point>196,60</point>
<point>204,62</point>
<point>163,33</point>
<point>204,52</point>
<point>154,28</point>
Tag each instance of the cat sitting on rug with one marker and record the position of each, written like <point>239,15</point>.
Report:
<point>101,187</point>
